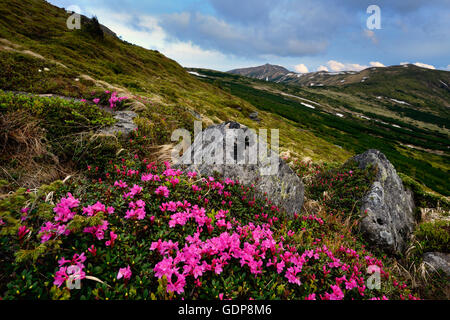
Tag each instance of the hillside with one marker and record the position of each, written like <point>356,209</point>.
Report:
<point>76,193</point>
<point>77,63</point>
<point>356,118</point>
<point>423,91</point>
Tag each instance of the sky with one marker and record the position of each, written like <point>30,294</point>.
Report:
<point>301,35</point>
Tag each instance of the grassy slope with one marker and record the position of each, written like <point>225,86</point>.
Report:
<point>171,92</point>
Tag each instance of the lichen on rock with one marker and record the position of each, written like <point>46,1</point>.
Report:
<point>387,212</point>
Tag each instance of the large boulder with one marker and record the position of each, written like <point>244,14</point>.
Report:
<point>282,186</point>
<point>387,211</point>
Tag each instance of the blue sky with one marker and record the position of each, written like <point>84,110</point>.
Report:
<point>302,35</point>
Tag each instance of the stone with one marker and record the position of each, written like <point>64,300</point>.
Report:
<point>387,211</point>
<point>254,116</point>
<point>124,123</point>
<point>284,188</point>
<point>438,261</point>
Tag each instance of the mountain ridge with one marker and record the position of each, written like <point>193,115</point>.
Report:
<point>280,74</point>
<point>266,72</point>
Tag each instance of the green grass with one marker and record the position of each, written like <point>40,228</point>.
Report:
<point>433,237</point>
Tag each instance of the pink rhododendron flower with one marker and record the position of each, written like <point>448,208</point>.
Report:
<point>113,237</point>
<point>63,208</point>
<point>136,211</point>
<point>192,174</point>
<point>50,230</point>
<point>23,230</point>
<point>120,184</point>
<point>92,250</point>
<point>133,191</point>
<point>336,295</point>
<point>312,296</point>
<point>162,191</point>
<point>125,273</point>
<point>98,231</point>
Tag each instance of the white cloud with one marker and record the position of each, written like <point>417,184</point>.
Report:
<point>322,68</point>
<point>151,35</point>
<point>448,68</point>
<point>377,64</point>
<point>424,65</point>
<point>337,66</point>
<point>301,68</point>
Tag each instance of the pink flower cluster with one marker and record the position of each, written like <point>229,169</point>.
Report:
<point>98,231</point>
<point>313,218</point>
<point>133,191</point>
<point>124,273</point>
<point>162,191</point>
<point>196,213</point>
<point>49,230</point>
<point>114,99</point>
<point>73,270</point>
<point>150,177</point>
<point>96,208</point>
<point>63,208</point>
<point>136,211</point>
<point>173,206</point>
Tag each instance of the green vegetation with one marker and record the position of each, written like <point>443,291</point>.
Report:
<point>342,189</point>
<point>44,138</point>
<point>433,236</point>
<point>425,198</point>
<point>137,236</point>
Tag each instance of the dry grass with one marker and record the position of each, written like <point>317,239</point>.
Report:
<point>25,160</point>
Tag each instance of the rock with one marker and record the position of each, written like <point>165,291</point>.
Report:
<point>124,124</point>
<point>254,116</point>
<point>390,208</point>
<point>438,261</point>
<point>284,188</point>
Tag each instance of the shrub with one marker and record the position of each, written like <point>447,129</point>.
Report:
<point>142,231</point>
<point>93,28</point>
<point>341,189</point>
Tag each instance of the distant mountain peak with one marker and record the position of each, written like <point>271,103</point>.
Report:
<point>268,72</point>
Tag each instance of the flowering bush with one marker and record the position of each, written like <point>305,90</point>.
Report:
<point>110,99</point>
<point>142,231</point>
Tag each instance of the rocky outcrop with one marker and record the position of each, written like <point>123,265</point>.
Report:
<point>282,186</point>
<point>124,123</point>
<point>438,261</point>
<point>387,212</point>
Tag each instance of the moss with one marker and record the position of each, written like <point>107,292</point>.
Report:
<point>425,198</point>
<point>433,236</point>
